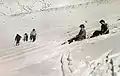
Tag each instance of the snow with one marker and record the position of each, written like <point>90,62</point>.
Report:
<point>54,25</point>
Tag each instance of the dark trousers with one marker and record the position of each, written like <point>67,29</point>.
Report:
<point>77,38</point>
<point>33,38</point>
<point>25,39</point>
<point>17,42</point>
<point>98,32</point>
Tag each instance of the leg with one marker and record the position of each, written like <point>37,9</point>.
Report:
<point>107,32</point>
<point>34,38</point>
<point>17,42</point>
<point>71,40</point>
<point>96,33</point>
<point>26,39</point>
<point>31,37</point>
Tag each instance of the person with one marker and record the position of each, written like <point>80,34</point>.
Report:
<point>33,35</point>
<point>104,29</point>
<point>81,35</point>
<point>25,37</point>
<point>17,39</point>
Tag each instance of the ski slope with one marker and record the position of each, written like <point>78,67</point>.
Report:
<point>53,27</point>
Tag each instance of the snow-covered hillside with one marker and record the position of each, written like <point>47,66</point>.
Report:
<point>55,23</point>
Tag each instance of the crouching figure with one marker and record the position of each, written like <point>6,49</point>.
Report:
<point>81,35</point>
<point>104,29</point>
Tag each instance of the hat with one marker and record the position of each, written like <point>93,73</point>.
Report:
<point>102,21</point>
<point>82,25</point>
<point>33,29</point>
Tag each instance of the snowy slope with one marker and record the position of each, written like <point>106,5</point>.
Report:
<point>42,58</point>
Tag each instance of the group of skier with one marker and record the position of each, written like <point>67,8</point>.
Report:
<point>82,34</point>
<point>25,37</point>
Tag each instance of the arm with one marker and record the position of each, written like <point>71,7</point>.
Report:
<point>82,32</point>
<point>15,38</point>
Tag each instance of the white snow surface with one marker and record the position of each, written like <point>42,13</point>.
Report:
<point>55,23</point>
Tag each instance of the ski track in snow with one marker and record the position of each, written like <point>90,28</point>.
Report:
<point>32,49</point>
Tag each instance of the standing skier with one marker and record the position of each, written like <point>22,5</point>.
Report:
<point>25,37</point>
<point>17,39</point>
<point>33,35</point>
<point>104,29</point>
<point>81,35</point>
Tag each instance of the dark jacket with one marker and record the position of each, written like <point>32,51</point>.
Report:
<point>104,29</point>
<point>82,34</point>
<point>18,37</point>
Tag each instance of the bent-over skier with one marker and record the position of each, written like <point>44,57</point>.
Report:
<point>17,39</point>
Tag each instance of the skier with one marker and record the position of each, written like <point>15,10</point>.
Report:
<point>104,29</point>
<point>17,39</point>
<point>81,35</point>
<point>33,35</point>
<point>25,37</point>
